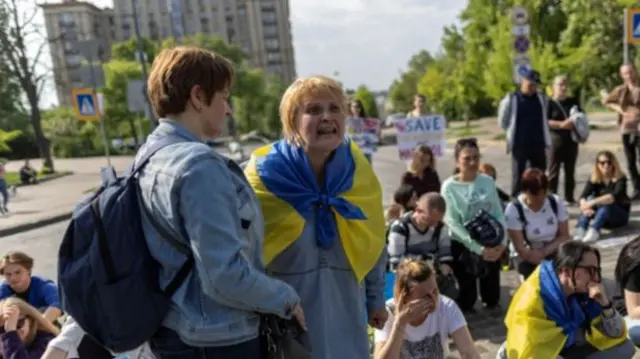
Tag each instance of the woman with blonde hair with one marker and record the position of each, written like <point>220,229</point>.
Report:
<point>324,223</point>
<point>421,320</point>
<point>604,202</point>
<point>421,173</point>
<point>25,332</point>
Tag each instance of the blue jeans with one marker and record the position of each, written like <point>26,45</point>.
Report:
<point>633,326</point>
<point>609,216</point>
<point>4,193</point>
<point>166,344</point>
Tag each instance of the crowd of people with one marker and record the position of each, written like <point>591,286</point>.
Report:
<point>297,236</point>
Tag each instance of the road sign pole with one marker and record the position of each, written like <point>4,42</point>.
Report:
<point>97,109</point>
<point>625,37</point>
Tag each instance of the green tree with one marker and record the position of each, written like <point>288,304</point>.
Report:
<point>120,121</point>
<point>405,88</point>
<point>127,50</point>
<point>6,137</point>
<point>20,64</point>
<point>70,137</point>
<point>368,101</point>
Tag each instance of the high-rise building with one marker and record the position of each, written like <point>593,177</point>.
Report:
<point>67,23</point>
<point>260,27</point>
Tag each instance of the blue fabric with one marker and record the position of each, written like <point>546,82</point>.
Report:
<point>607,216</point>
<point>389,282</point>
<point>567,314</point>
<point>43,293</point>
<point>286,172</point>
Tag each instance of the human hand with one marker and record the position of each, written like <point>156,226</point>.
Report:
<point>445,269</point>
<point>10,314</point>
<point>597,293</point>
<point>568,124</point>
<point>298,314</point>
<point>413,309</point>
<point>378,317</point>
<point>585,206</point>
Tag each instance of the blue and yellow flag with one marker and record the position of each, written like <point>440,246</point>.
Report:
<point>347,205</point>
<point>541,321</point>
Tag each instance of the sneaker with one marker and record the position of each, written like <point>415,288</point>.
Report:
<point>578,234</point>
<point>591,236</point>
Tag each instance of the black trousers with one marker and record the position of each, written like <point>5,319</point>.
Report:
<point>489,284</point>
<point>166,344</point>
<point>564,153</point>
<point>535,156</point>
<point>631,145</point>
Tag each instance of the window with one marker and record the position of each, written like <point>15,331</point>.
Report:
<point>269,17</point>
<point>276,69</point>
<point>66,18</point>
<point>272,44</point>
<point>73,60</point>
<point>270,31</point>
<point>273,57</point>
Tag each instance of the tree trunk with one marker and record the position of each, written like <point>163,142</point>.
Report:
<point>134,131</point>
<point>44,145</point>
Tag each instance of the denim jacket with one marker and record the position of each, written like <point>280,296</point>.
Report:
<point>203,200</point>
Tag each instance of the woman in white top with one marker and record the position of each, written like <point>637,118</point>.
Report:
<point>537,222</point>
<point>421,319</point>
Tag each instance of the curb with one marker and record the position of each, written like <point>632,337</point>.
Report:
<point>47,178</point>
<point>24,227</point>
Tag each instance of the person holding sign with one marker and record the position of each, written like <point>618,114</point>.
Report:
<point>419,106</point>
<point>359,131</point>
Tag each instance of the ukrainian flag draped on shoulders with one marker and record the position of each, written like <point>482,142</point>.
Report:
<point>541,322</point>
<point>347,205</point>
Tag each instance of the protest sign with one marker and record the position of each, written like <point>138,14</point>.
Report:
<point>425,130</point>
<point>364,132</point>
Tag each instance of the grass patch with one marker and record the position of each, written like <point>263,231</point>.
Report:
<point>13,178</point>
<point>499,137</point>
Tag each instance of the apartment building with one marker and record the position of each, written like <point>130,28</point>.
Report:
<point>260,27</point>
<point>68,22</point>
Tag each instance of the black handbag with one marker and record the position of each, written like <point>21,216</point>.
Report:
<point>283,339</point>
<point>485,229</point>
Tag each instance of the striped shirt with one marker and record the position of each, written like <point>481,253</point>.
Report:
<point>405,240</point>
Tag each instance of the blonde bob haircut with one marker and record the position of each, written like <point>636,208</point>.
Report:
<point>618,172</point>
<point>302,90</point>
<point>37,322</point>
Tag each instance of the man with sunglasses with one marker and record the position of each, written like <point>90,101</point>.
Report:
<point>523,115</point>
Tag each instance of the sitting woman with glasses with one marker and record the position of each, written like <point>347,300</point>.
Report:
<point>472,202</point>
<point>25,332</point>
<point>562,311</point>
<point>604,202</point>
<point>421,320</point>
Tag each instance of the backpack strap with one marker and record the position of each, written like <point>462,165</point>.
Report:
<point>522,219</point>
<point>404,220</point>
<point>138,165</point>
<point>436,235</point>
<point>554,204</point>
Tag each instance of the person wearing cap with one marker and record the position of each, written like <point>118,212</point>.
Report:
<point>625,101</point>
<point>523,115</point>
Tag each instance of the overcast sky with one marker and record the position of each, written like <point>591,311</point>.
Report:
<point>363,41</point>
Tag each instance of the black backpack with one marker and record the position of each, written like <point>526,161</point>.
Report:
<point>523,219</point>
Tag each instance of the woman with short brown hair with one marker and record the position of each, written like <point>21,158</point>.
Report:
<point>421,173</point>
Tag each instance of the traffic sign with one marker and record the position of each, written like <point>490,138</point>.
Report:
<point>521,30</point>
<point>633,26</point>
<point>519,15</point>
<point>85,104</point>
<point>521,59</point>
<point>521,44</point>
<point>516,71</point>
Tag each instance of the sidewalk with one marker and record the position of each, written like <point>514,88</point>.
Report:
<point>42,204</point>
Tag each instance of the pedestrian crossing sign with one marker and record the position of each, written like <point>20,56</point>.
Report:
<point>85,104</point>
<point>633,26</point>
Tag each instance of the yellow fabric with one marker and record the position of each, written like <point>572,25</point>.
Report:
<point>530,335</point>
<point>363,240</point>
